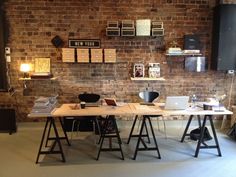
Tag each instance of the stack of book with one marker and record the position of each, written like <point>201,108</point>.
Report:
<point>44,105</point>
<point>175,50</point>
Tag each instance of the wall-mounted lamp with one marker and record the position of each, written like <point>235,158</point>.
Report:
<point>25,68</point>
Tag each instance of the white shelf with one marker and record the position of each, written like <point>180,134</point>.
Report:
<point>147,79</point>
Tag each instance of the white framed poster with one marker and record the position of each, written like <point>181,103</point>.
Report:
<point>138,70</point>
<point>154,70</point>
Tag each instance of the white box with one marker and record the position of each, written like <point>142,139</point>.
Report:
<point>143,27</point>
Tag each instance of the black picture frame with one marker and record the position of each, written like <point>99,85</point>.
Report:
<point>84,43</point>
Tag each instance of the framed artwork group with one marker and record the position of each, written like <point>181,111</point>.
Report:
<point>153,70</point>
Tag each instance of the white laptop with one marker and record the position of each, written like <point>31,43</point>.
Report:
<point>176,102</point>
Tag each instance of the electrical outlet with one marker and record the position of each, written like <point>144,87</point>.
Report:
<point>8,57</point>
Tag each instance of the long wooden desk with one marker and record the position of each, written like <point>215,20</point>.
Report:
<point>148,111</point>
<point>126,109</point>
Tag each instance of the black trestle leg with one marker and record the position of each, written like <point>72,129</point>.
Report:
<point>186,128</point>
<point>215,137</point>
<point>48,135</point>
<point>139,137</point>
<point>42,139</point>
<point>200,141</point>
<point>57,139</point>
<point>64,132</point>
<point>132,129</point>
<point>154,138</point>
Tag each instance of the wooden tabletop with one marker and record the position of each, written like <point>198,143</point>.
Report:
<point>124,109</point>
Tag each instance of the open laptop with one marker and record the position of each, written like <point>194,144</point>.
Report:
<point>176,102</point>
<point>110,102</point>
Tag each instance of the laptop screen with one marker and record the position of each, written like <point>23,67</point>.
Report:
<point>176,102</point>
<point>110,102</point>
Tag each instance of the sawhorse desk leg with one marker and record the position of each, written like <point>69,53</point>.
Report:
<point>201,137</point>
<point>50,123</point>
<point>146,148</point>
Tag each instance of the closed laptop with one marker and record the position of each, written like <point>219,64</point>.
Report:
<point>176,102</point>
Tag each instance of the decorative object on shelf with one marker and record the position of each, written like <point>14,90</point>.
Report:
<point>42,65</point>
<point>57,41</point>
<point>143,27</point>
<point>112,28</point>
<point>195,64</point>
<point>154,70</point>
<point>42,68</point>
<point>191,42</point>
<point>84,43</point>
<point>96,56</point>
<point>109,55</point>
<point>25,68</point>
<point>68,55</point>
<point>138,70</point>
<point>83,55</point>
<point>112,24</point>
<point>113,31</point>
<point>157,28</point>
<point>127,28</point>
<point>174,49</point>
<point>147,79</point>
<point>127,24</point>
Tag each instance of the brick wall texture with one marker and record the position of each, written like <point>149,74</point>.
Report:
<point>33,23</point>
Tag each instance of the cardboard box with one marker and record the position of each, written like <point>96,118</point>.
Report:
<point>68,55</point>
<point>110,55</point>
<point>83,55</point>
<point>96,56</point>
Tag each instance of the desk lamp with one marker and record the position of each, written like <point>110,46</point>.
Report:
<point>25,68</point>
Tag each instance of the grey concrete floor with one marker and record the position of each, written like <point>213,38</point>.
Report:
<point>18,153</point>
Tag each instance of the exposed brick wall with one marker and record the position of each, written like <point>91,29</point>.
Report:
<point>33,23</point>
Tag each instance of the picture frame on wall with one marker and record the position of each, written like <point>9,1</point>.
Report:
<point>138,70</point>
<point>154,70</point>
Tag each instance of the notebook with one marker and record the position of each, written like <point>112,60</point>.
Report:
<point>176,102</point>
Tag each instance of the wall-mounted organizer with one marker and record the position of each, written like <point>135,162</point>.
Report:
<point>71,55</point>
<point>127,28</point>
<point>143,27</point>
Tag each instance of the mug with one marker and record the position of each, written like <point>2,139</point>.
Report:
<point>82,105</point>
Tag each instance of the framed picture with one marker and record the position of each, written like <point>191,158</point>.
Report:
<point>154,70</point>
<point>138,70</point>
<point>42,65</point>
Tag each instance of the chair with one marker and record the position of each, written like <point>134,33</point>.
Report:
<point>149,97</point>
<point>78,121</point>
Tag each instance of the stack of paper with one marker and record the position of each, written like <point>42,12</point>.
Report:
<point>44,105</point>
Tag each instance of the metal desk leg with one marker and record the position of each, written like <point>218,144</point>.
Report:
<point>42,139</point>
<point>201,140</point>
<point>132,129</point>
<point>51,121</point>
<point>215,136</point>
<point>48,135</point>
<point>143,135</point>
<point>58,140</point>
<point>139,138</point>
<point>63,128</point>
<point>201,136</point>
<point>154,138</point>
<point>186,129</point>
<point>146,148</point>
